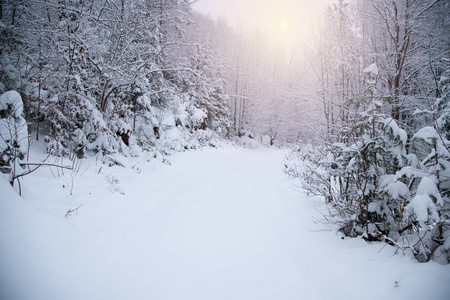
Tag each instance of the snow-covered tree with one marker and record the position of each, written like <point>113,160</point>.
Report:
<point>383,185</point>
<point>92,73</point>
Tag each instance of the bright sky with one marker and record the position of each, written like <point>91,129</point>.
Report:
<point>282,20</point>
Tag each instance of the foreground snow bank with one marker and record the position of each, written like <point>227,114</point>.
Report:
<point>216,224</point>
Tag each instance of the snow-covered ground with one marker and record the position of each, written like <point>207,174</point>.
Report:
<point>216,224</point>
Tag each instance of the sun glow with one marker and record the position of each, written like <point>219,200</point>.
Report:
<point>281,27</point>
<point>283,22</point>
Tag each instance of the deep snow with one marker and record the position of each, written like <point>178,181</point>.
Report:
<point>216,224</point>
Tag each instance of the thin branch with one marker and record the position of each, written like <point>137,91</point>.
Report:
<point>45,165</point>
<point>71,211</point>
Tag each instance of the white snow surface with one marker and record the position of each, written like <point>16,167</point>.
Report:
<point>215,224</point>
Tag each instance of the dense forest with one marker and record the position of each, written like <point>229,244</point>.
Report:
<point>364,103</point>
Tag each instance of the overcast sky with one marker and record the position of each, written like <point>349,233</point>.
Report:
<point>278,18</point>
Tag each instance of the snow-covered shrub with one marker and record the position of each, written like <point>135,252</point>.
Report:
<point>248,142</point>
<point>349,174</point>
<point>308,164</point>
<point>428,223</point>
<point>79,126</point>
<point>376,188</point>
<point>13,133</point>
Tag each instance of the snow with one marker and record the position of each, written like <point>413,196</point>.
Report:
<point>5,134</point>
<point>422,205</point>
<point>428,187</point>
<point>13,128</point>
<point>372,69</point>
<point>12,99</point>
<point>396,130</point>
<point>198,116</point>
<point>216,224</point>
<point>247,142</point>
<point>430,136</point>
<point>374,206</point>
<point>424,209</point>
<point>427,134</point>
<point>395,189</point>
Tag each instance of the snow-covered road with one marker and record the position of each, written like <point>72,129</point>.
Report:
<point>217,224</point>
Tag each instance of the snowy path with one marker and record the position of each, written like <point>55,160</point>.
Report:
<point>217,224</point>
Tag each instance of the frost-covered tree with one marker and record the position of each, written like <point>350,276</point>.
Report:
<point>206,88</point>
<point>94,75</point>
<point>336,59</point>
<point>388,177</point>
<point>400,33</point>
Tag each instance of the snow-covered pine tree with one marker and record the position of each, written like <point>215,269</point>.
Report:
<point>206,89</point>
<point>355,171</point>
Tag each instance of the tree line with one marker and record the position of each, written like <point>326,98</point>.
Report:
<point>94,75</point>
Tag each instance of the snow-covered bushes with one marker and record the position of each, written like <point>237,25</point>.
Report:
<point>247,142</point>
<point>13,133</point>
<point>86,86</point>
<point>387,178</point>
<point>379,189</point>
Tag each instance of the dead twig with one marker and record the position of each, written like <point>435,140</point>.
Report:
<point>71,211</point>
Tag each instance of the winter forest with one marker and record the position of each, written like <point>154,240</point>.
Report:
<point>116,115</point>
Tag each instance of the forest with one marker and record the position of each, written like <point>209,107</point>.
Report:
<point>363,103</point>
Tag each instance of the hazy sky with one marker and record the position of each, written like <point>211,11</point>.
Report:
<point>283,20</point>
